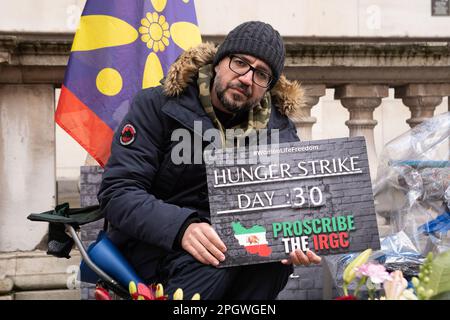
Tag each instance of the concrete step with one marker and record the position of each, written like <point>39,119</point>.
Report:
<point>48,295</point>
<point>35,270</point>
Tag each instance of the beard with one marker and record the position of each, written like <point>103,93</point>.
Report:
<point>237,102</point>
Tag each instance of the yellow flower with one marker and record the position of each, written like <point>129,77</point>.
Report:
<point>159,292</point>
<point>178,294</point>
<point>350,271</point>
<point>155,32</point>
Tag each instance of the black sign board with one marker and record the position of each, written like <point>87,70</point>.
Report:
<point>440,7</point>
<point>313,195</point>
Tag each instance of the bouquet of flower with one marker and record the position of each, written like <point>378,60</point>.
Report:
<point>155,292</point>
<point>433,281</point>
<point>141,291</point>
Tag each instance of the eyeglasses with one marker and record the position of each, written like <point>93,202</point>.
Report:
<point>241,67</point>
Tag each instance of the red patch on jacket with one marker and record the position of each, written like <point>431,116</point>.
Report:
<point>128,135</point>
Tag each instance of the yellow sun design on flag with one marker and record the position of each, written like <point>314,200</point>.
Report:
<point>155,31</point>
<point>103,31</point>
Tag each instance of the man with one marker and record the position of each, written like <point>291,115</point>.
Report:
<point>158,210</point>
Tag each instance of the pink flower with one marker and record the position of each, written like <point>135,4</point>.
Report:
<point>376,272</point>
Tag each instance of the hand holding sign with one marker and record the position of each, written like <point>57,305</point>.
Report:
<point>203,243</point>
<point>297,257</point>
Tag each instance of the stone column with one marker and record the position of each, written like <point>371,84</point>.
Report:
<point>422,100</point>
<point>361,101</point>
<point>27,163</point>
<point>305,122</point>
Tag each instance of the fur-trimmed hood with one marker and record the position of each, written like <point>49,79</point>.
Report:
<point>288,95</point>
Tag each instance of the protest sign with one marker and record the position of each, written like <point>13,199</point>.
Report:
<point>314,195</point>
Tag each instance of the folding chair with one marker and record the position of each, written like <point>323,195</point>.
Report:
<point>102,263</point>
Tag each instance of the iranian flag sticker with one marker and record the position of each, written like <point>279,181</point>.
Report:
<point>253,239</point>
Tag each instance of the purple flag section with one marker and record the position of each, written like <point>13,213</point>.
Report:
<point>109,63</point>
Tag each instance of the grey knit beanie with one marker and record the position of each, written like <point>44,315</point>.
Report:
<point>258,39</point>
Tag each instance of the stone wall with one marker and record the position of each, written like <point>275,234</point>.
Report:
<point>36,276</point>
<point>362,18</point>
<point>27,162</point>
<point>90,177</point>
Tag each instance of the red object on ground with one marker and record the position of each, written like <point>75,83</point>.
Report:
<point>349,297</point>
<point>102,294</point>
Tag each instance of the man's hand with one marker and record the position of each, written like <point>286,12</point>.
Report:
<point>203,243</point>
<point>297,257</point>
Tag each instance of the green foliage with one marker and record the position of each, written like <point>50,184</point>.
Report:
<point>442,296</point>
<point>439,277</point>
<point>434,277</point>
<point>421,283</point>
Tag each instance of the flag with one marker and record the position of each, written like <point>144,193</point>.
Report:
<point>120,47</point>
<point>253,239</point>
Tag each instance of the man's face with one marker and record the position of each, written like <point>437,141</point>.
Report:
<point>234,92</point>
